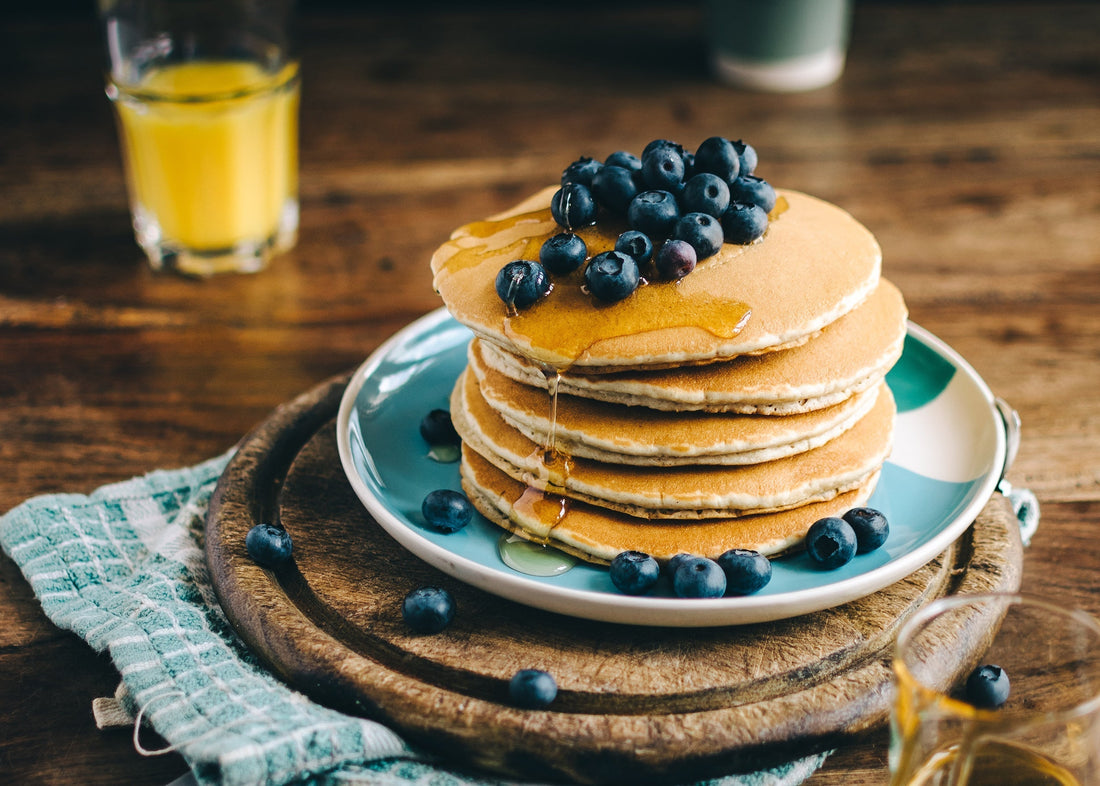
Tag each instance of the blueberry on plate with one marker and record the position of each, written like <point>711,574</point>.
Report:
<point>702,232</point>
<point>831,542</point>
<point>269,545</point>
<point>747,571</point>
<point>663,168</point>
<point>987,687</point>
<point>636,245</point>
<point>446,510</point>
<point>747,157</point>
<point>634,572</point>
<point>624,159</point>
<point>563,253</point>
<point>718,156</point>
<point>675,259</point>
<point>532,689</point>
<point>699,577</point>
<point>437,428</point>
<point>870,526</point>
<point>573,206</point>
<point>522,283</point>
<point>613,187</point>
<point>653,212</point>
<point>743,223</point>
<point>674,563</point>
<point>612,276</point>
<point>428,609</point>
<point>705,193</point>
<point>753,190</point>
<point>581,171</point>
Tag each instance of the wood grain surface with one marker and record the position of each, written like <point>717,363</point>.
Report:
<point>964,135</point>
<point>635,704</point>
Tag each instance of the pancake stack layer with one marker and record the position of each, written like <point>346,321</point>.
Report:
<point>729,409</point>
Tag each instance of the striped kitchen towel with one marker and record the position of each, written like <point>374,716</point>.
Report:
<point>123,568</point>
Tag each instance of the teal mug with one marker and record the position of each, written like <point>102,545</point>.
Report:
<point>778,45</point>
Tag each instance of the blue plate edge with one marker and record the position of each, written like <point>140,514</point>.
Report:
<point>648,610</point>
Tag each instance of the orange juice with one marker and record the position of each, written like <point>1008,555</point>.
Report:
<point>211,150</point>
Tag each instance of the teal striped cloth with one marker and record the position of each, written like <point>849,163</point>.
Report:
<point>123,568</point>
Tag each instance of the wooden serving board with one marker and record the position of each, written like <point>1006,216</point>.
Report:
<point>635,704</point>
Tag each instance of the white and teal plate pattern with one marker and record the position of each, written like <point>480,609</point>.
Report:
<point>948,456</point>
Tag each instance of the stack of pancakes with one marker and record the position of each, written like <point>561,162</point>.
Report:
<point>730,409</point>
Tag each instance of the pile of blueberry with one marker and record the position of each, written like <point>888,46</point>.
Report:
<point>679,207</point>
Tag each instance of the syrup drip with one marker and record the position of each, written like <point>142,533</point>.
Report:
<point>543,506</point>
<point>550,447</point>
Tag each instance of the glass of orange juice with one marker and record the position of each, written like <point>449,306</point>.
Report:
<point>996,689</point>
<point>206,97</point>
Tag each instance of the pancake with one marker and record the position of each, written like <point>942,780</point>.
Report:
<point>585,428</point>
<point>692,492</point>
<point>846,357</point>
<point>814,264</point>
<point>597,535</point>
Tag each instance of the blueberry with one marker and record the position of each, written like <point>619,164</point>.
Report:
<point>634,573</point>
<point>701,231</point>
<point>268,545</point>
<point>627,161</point>
<point>656,143</point>
<point>613,187</point>
<point>747,571</point>
<point>987,687</point>
<point>446,510</point>
<point>871,528</point>
<point>437,429</point>
<point>573,206</point>
<point>753,190</point>
<point>699,577</point>
<point>612,276</point>
<point>532,689</point>
<point>674,563</point>
<point>581,171</point>
<point>747,157</point>
<point>635,244</point>
<point>663,168</point>
<point>563,253</point>
<point>653,212</point>
<point>705,193</point>
<point>718,156</point>
<point>675,259</point>
<point>831,542</point>
<point>521,283</point>
<point>428,609</point>
<point>743,223</point>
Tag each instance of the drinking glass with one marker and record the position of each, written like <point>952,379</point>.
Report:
<point>1047,731</point>
<point>206,98</point>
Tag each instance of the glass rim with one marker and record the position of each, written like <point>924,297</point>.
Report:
<point>117,90</point>
<point>916,623</point>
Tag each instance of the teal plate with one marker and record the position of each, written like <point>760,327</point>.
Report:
<point>948,455</point>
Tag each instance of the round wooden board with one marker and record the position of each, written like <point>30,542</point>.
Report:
<point>635,704</point>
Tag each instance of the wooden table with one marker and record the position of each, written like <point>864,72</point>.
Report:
<point>967,137</point>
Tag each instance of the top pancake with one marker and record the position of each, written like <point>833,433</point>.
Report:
<point>814,264</point>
